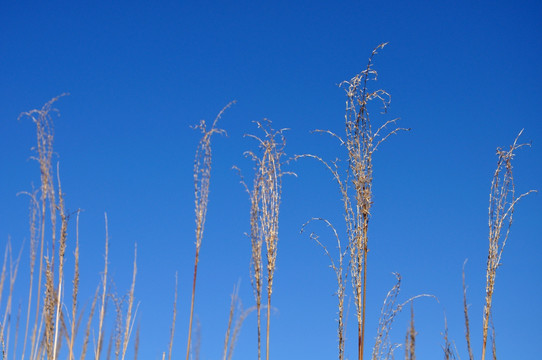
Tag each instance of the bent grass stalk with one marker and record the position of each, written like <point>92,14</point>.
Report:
<point>340,277</point>
<point>383,349</point>
<point>202,178</point>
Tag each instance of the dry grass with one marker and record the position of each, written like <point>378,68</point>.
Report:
<point>50,323</point>
<point>54,325</point>
<point>264,214</point>
<point>502,201</point>
<point>202,179</point>
<point>355,183</point>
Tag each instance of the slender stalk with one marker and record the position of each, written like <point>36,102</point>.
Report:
<point>172,332</point>
<point>355,182</point>
<point>268,321</point>
<point>340,276</point>
<point>466,313</point>
<point>61,253</point>
<point>98,349</point>
<point>129,323</point>
<point>502,200</point>
<point>202,178</point>
<point>34,208</point>
<point>75,289</point>
<point>265,199</point>
<point>192,306</point>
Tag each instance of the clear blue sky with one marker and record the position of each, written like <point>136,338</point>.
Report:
<point>464,75</point>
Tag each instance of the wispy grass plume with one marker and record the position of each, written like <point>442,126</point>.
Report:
<point>265,200</point>
<point>202,179</point>
<point>502,201</point>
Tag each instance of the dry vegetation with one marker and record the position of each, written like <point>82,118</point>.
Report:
<point>49,326</point>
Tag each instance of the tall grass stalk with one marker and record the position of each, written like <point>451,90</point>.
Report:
<point>98,348</point>
<point>45,139</point>
<point>267,195</point>
<point>355,184</point>
<point>202,178</point>
<point>75,291</point>
<point>34,208</point>
<point>502,201</point>
<point>361,143</point>
<point>61,254</point>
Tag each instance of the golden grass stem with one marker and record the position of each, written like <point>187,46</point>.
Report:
<point>61,253</point>
<point>75,289</point>
<point>34,208</point>
<point>265,205</point>
<point>129,323</point>
<point>502,201</point>
<point>98,348</point>
<point>202,178</point>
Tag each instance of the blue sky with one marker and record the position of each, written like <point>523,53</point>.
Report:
<point>464,75</point>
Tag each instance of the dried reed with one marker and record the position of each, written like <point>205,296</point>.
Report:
<point>75,290</point>
<point>202,178</point>
<point>45,139</point>
<point>265,205</point>
<point>98,348</point>
<point>61,254</point>
<point>356,184</point>
<point>502,200</point>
